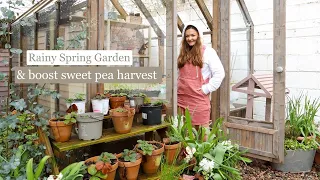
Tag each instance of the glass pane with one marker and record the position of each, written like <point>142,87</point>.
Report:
<point>141,34</point>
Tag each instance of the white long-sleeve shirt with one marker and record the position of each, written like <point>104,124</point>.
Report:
<point>213,69</point>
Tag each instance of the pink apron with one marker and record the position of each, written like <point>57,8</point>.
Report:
<point>190,94</point>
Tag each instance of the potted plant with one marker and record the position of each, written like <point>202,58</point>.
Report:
<point>102,167</point>
<point>129,164</point>
<point>117,100</point>
<point>300,135</point>
<point>151,112</point>
<point>79,101</point>
<point>100,103</point>
<point>122,119</point>
<point>215,158</point>
<point>136,100</point>
<point>152,155</point>
<point>172,144</point>
<point>61,127</point>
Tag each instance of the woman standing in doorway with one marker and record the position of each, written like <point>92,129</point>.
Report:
<point>200,73</point>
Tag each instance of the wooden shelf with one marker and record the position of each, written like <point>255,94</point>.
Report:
<point>108,135</point>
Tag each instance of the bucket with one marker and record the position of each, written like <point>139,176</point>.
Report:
<point>296,161</point>
<point>89,126</point>
<point>81,105</point>
<point>100,106</point>
<point>151,115</point>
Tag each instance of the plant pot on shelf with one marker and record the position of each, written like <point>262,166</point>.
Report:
<point>100,105</point>
<point>112,171</point>
<point>129,170</point>
<point>122,119</point>
<point>116,101</point>
<point>296,161</point>
<point>136,102</point>
<point>89,126</point>
<point>60,131</point>
<point>151,163</point>
<point>151,115</point>
<point>81,105</point>
<point>171,150</point>
<point>317,156</point>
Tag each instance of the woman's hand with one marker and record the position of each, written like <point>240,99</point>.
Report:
<point>200,89</point>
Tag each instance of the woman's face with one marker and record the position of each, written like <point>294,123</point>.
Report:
<point>191,36</point>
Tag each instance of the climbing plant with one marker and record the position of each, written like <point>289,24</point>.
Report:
<point>24,117</point>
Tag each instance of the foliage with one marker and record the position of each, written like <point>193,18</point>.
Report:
<point>31,175</point>
<point>146,148</point>
<point>76,97</point>
<point>177,128</point>
<point>107,157</point>
<point>293,144</point>
<point>101,168</point>
<point>70,118</point>
<point>215,158</point>
<point>129,155</point>
<point>301,112</point>
<point>169,172</point>
<point>73,171</point>
<point>100,96</point>
<point>19,129</point>
<point>119,95</point>
<point>120,109</point>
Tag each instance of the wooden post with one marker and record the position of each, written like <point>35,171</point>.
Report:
<point>225,57</point>
<point>56,35</point>
<point>215,39</point>
<point>203,8</point>
<point>171,57</point>
<point>250,99</point>
<point>279,78</point>
<point>95,39</point>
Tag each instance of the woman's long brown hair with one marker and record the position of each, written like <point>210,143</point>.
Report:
<point>191,54</point>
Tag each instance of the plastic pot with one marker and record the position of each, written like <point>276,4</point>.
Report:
<point>89,126</point>
<point>100,106</point>
<point>81,105</point>
<point>151,115</point>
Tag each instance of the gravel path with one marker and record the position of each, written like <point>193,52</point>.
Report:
<point>262,170</point>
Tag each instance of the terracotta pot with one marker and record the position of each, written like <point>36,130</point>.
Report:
<point>151,164</point>
<point>122,122</point>
<point>300,138</point>
<point>171,151</point>
<point>317,156</point>
<point>112,173</point>
<point>117,101</point>
<point>129,170</point>
<point>60,131</point>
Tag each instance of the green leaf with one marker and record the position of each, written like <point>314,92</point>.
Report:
<point>29,170</point>
<point>92,169</point>
<point>41,166</point>
<point>217,176</point>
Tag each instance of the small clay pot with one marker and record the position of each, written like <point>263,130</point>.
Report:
<point>129,170</point>
<point>171,151</point>
<point>112,172</point>
<point>60,131</point>
<point>151,164</point>
<point>117,101</point>
<point>122,122</point>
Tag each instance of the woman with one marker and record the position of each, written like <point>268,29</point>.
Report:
<point>200,73</point>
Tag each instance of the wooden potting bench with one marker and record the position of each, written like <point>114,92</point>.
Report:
<point>108,135</point>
